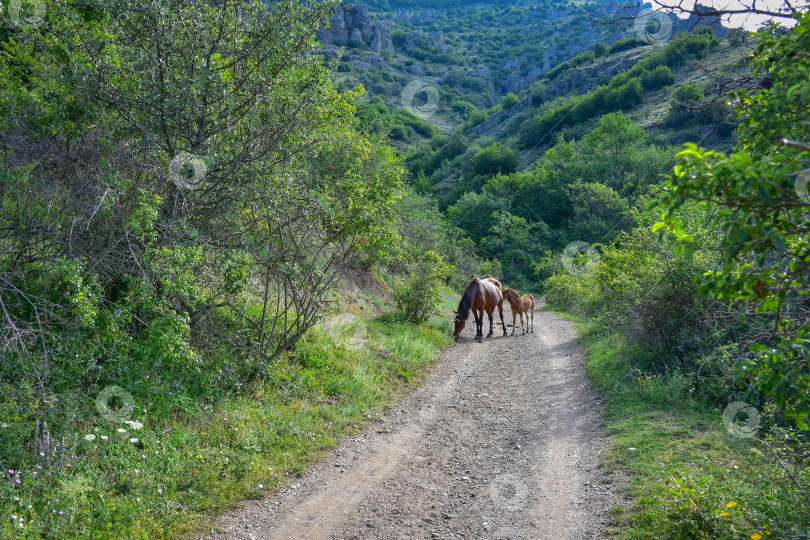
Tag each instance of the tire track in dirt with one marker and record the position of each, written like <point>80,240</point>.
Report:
<point>501,441</point>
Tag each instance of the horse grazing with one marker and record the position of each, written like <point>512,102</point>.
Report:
<point>482,294</point>
<point>520,305</point>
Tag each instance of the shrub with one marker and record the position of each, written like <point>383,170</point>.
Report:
<point>626,45</point>
<point>398,133</point>
<point>421,293</point>
<point>683,98</point>
<point>599,49</point>
<point>495,159</point>
<point>569,293</point>
<point>509,100</point>
<point>658,78</point>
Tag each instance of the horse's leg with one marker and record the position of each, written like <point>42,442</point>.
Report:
<point>489,312</point>
<point>479,325</point>
<point>500,312</point>
<point>532,317</point>
<point>521,322</point>
<point>513,322</point>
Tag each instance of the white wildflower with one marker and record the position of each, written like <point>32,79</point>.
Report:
<point>104,437</point>
<point>121,430</point>
<point>89,437</point>
<point>133,424</point>
<point>133,440</point>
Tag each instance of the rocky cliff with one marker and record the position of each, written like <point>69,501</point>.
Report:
<point>354,22</point>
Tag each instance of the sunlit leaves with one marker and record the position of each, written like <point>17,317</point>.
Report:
<point>764,218</point>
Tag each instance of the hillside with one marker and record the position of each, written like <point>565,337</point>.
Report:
<point>233,235</point>
<point>467,93</point>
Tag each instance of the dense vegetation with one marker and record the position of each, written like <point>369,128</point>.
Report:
<point>687,267</point>
<point>184,185</point>
<point>704,302</point>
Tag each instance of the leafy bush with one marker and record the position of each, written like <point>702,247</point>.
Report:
<point>495,159</point>
<point>762,210</point>
<point>570,293</point>
<point>398,133</point>
<point>423,291</point>
<point>658,78</point>
<point>509,100</point>
<point>578,60</point>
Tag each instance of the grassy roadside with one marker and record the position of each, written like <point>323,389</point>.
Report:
<point>688,476</point>
<point>163,475</point>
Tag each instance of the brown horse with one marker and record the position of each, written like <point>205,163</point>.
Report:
<point>520,305</point>
<point>482,294</point>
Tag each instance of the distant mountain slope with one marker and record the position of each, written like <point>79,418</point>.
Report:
<point>447,83</point>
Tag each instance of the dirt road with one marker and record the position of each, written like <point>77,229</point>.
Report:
<point>503,440</point>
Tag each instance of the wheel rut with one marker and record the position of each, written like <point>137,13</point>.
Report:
<point>502,440</point>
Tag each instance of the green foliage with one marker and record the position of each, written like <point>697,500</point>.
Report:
<point>495,159</point>
<point>420,294</point>
<point>762,214</point>
<point>513,241</point>
<point>376,117</point>
<point>599,49</point>
<point>508,101</point>
<point>580,59</point>
<point>684,97</point>
<point>569,293</point>
<point>599,212</point>
<point>464,108</point>
<point>692,478</point>
<point>623,92</point>
<point>422,228</point>
<point>626,44</point>
<point>658,78</point>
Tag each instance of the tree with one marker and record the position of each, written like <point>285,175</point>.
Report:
<point>508,101</point>
<point>599,212</point>
<point>760,191</point>
<point>495,159</point>
<point>284,192</point>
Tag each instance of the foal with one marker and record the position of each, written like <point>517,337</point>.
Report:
<point>520,305</point>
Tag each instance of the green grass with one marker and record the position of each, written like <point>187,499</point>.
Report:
<point>167,477</point>
<point>687,476</point>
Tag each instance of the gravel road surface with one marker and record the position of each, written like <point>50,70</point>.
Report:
<point>502,440</point>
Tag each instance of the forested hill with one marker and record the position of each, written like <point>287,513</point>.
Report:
<point>484,100</point>
<point>229,232</point>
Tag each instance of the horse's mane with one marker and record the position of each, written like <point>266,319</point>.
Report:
<point>466,301</point>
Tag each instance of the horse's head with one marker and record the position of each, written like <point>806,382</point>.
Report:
<point>459,325</point>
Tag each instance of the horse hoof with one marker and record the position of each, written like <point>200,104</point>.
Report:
<point>479,340</point>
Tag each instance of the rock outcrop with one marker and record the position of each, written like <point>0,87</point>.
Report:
<point>703,16</point>
<point>354,22</point>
